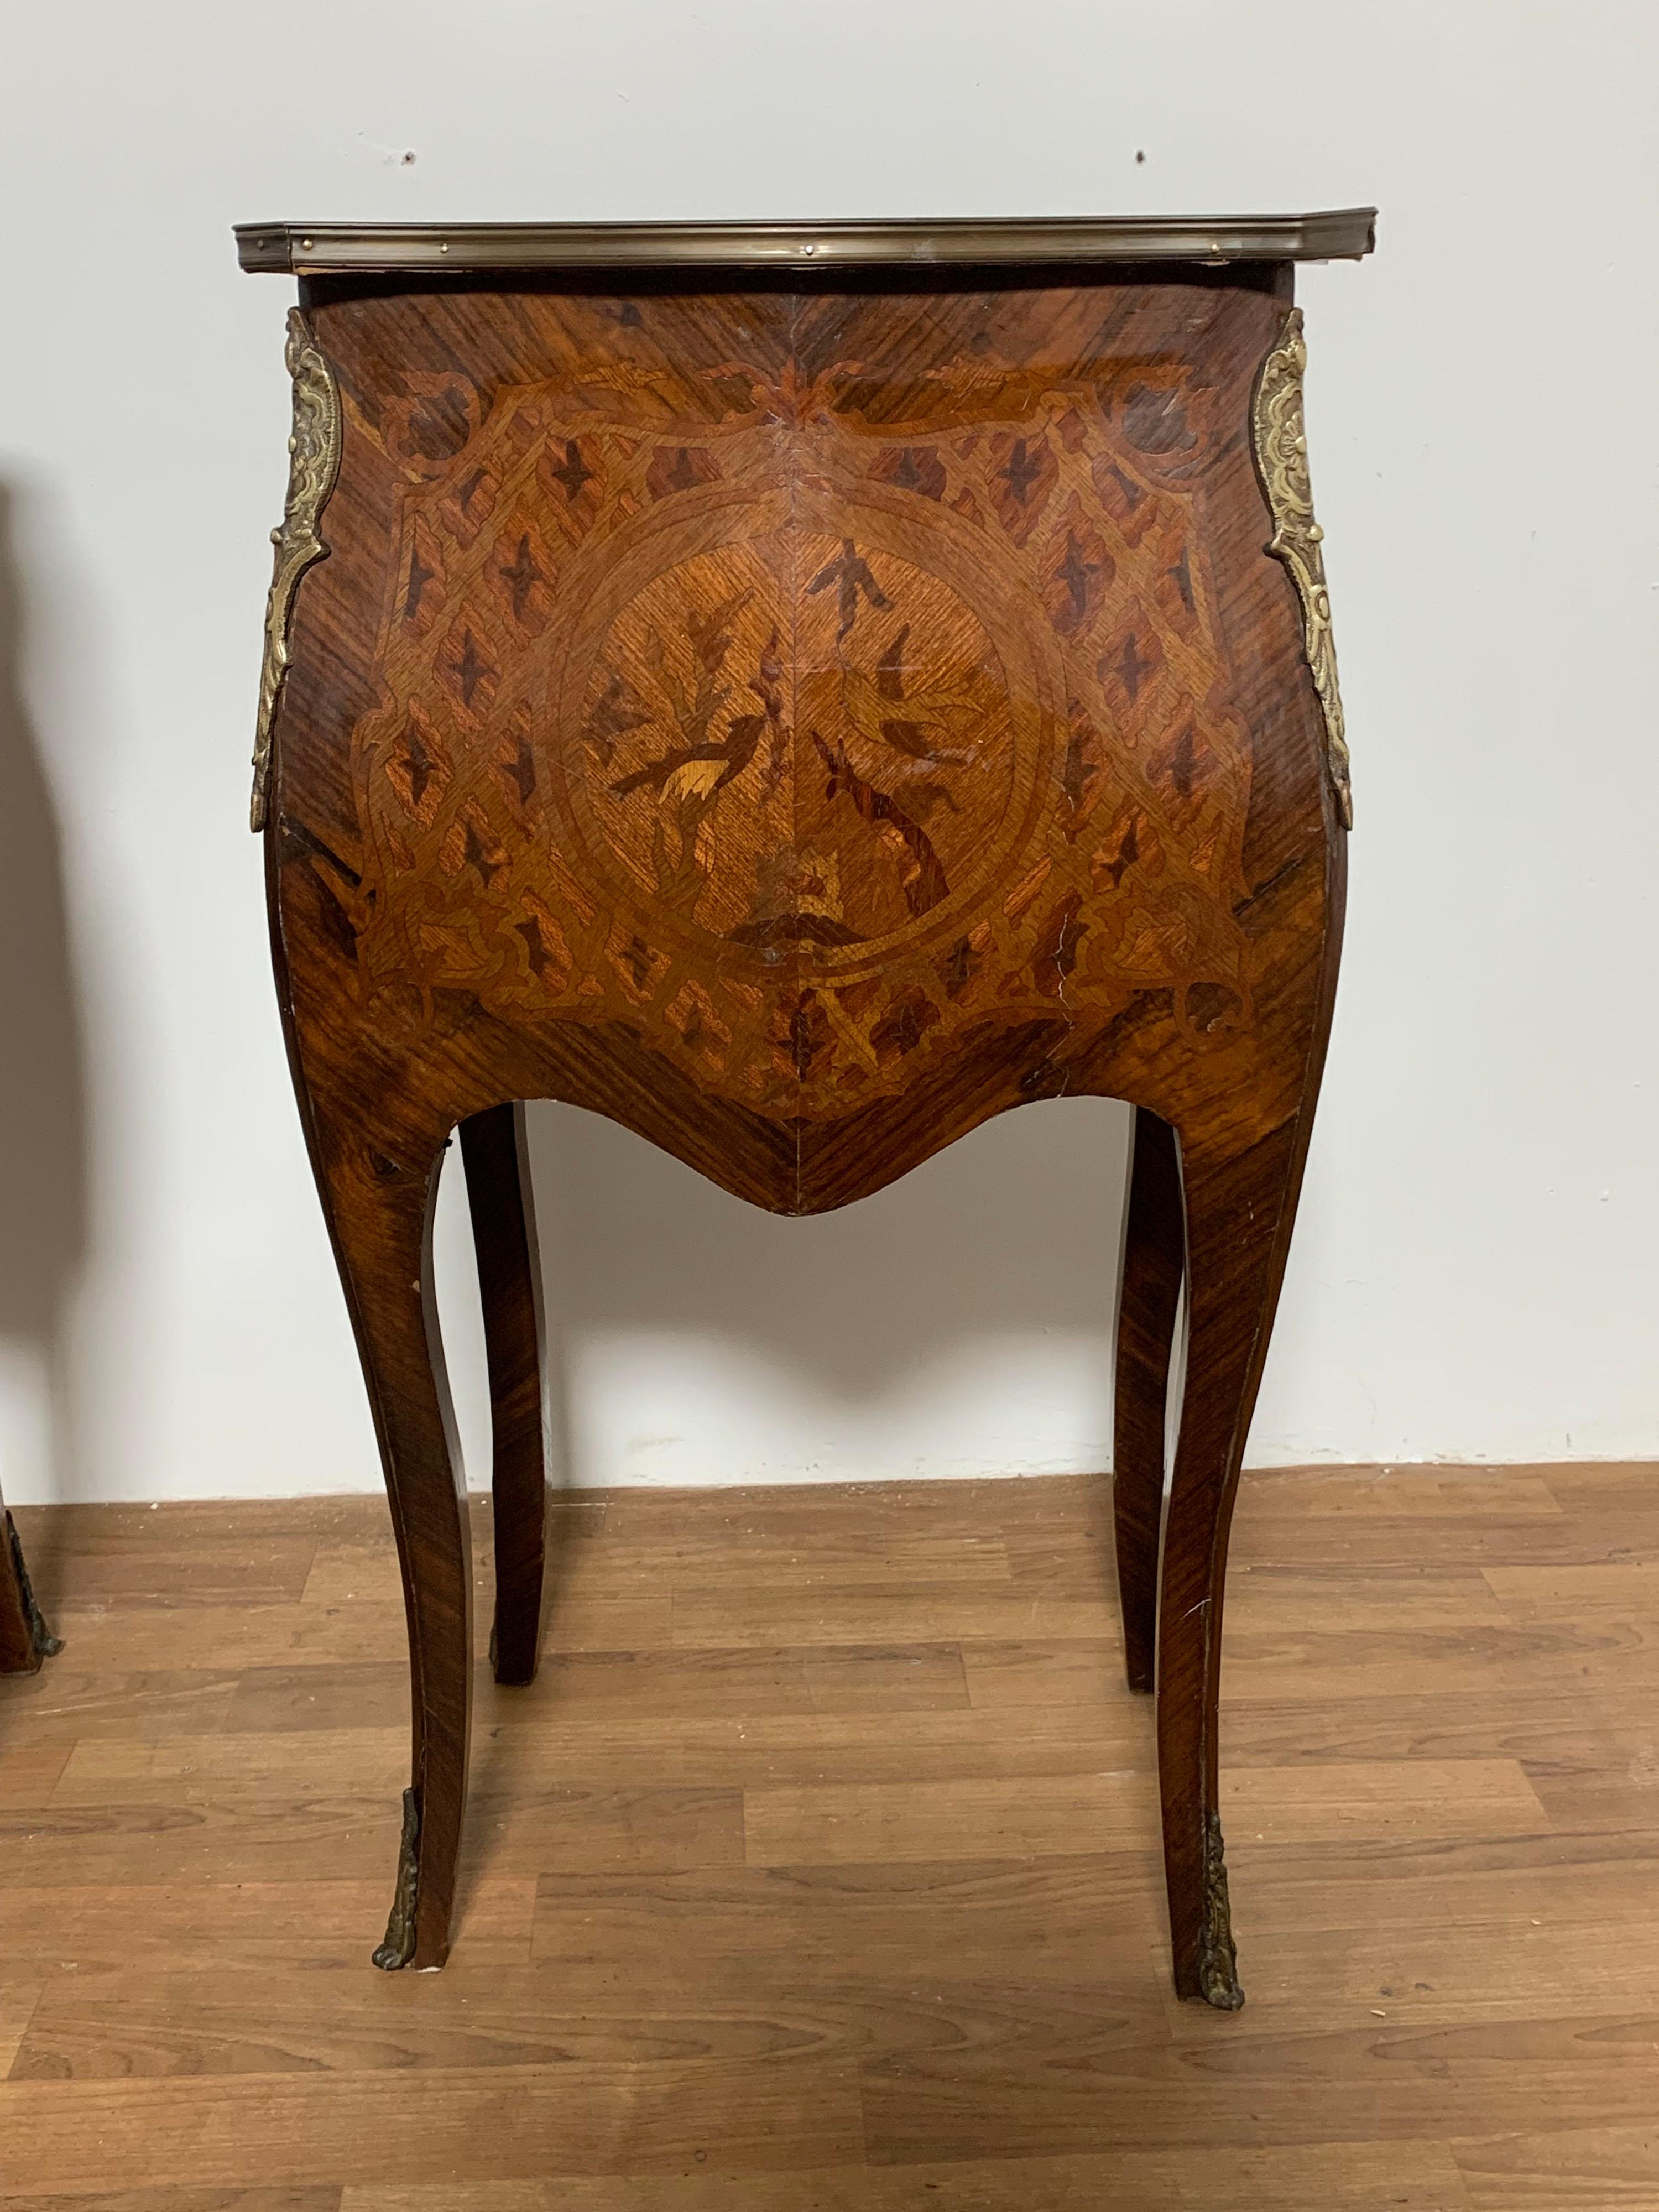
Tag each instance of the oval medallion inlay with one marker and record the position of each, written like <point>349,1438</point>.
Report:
<point>797,742</point>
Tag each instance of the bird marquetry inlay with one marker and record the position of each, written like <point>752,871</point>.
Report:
<point>802,741</point>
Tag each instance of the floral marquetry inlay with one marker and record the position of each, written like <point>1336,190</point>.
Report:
<point>800,740</point>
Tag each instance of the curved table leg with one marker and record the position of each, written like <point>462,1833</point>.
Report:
<point>25,1639</point>
<point>1239,1210</point>
<point>504,1232</point>
<point>378,1191</point>
<point>1154,1260</point>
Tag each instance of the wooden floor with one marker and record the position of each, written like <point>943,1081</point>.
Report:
<point>819,1871</point>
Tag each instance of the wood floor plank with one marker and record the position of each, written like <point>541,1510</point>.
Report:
<point>357,1563</point>
<point>30,1773</point>
<point>20,1999</point>
<point>241,1930</point>
<point>1621,1797</point>
<point>124,2024</point>
<point>1324,1803</point>
<point>1516,1660</point>
<point>1031,1923</point>
<point>1343,2177</point>
<point>1018,1672</point>
<point>84,1530</point>
<point>374,1695</point>
<point>1427,1884</point>
<point>506,2122</point>
<point>185,1769</point>
<point>167,1563</point>
<point>1447,1666</point>
<point>344,1633</point>
<point>536,1737</point>
<point>758,1678</point>
<point>902,1614</point>
<point>776,1553</point>
<point>831,1824</point>
<point>1265,1597</point>
<point>244,1833</point>
<point>107,1638</point>
<point>1569,1731</point>
<point>709,2188</point>
<point>179,2200</point>
<point>1517,1967</point>
<point>1621,1486</point>
<point>1009,2093</point>
<point>1377,1494</point>
<point>1346,2176</point>
<point>747,1750</point>
<point>67,1703</point>
<point>819,1870</point>
<point>1573,2170</point>
<point>810,1511</point>
<point>1617,1590</point>
<point>1431,1541</point>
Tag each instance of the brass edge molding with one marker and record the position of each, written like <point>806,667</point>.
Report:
<point>313,463</point>
<point>324,248</point>
<point>1281,439</point>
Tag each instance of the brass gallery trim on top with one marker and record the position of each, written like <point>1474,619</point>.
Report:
<point>323,248</point>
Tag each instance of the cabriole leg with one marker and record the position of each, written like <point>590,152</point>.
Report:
<point>378,1193</point>
<point>1239,1213</point>
<point>1154,1256</point>
<point>504,1232</point>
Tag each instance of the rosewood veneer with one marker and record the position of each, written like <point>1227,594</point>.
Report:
<point>800,690</point>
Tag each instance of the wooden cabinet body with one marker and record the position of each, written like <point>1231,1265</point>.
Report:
<point>799,712</point>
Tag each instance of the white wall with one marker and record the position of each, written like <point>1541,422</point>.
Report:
<point>1474,1274</point>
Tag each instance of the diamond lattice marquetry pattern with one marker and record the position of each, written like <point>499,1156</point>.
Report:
<point>811,743</point>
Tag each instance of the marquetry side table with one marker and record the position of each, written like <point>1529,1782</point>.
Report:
<point>25,1639</point>
<point>800,690</point>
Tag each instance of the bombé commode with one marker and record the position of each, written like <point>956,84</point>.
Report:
<point>799,690</point>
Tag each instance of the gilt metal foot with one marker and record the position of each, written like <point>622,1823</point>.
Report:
<point>1218,1959</point>
<point>397,1947</point>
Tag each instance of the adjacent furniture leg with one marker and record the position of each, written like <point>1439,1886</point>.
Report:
<point>504,1232</point>
<point>25,1639</point>
<point>1154,1258</point>
<point>378,1193</point>
<point>1239,1210</point>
